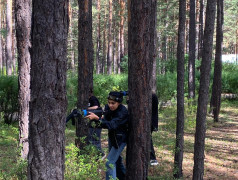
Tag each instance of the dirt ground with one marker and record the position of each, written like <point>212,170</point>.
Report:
<point>221,154</point>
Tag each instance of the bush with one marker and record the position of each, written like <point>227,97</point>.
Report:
<point>83,165</point>
<point>8,98</point>
<point>166,86</point>
<point>229,78</point>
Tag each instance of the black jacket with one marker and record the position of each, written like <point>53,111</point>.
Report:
<point>117,124</point>
<point>154,117</point>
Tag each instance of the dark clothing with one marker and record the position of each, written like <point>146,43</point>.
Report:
<point>94,131</point>
<point>152,150</point>
<point>93,101</point>
<point>154,123</point>
<point>117,124</point>
<point>154,118</point>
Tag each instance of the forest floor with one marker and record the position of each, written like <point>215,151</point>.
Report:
<point>221,145</point>
<point>221,149</point>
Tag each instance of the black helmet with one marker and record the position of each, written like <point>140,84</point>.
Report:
<point>115,96</point>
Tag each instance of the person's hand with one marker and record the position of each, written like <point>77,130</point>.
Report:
<point>92,116</point>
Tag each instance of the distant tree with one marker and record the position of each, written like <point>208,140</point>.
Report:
<point>1,47</point>
<point>200,34</point>
<point>178,158</point>
<point>192,50</point>
<point>139,84</point>
<point>110,45</point>
<point>104,40</point>
<point>122,30</point>
<point>216,86</point>
<point>98,46</point>
<point>198,169</point>
<point>48,102</point>
<point>23,30</point>
<point>9,38</point>
<point>85,64</point>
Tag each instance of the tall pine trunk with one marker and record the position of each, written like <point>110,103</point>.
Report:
<point>217,85</point>
<point>98,47</point>
<point>23,30</point>
<point>139,83</point>
<point>192,50</point>
<point>48,102</point>
<point>178,158</point>
<point>85,64</point>
<point>200,34</point>
<point>199,146</point>
<point>9,38</point>
<point>110,45</point>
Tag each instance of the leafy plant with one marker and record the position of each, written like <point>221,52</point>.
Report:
<point>83,164</point>
<point>8,98</point>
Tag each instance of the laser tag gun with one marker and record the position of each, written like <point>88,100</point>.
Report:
<point>124,93</point>
<point>84,112</point>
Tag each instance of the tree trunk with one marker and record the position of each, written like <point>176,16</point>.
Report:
<point>153,38</point>
<point>178,158</point>
<point>98,50</point>
<point>217,85</point>
<point>9,38</point>
<point>85,64</point>
<point>122,29</point>
<point>198,169</point>
<point>110,45</point>
<point>104,41</point>
<point>23,30</point>
<point>1,47</point>
<point>192,50</point>
<point>139,84</point>
<point>48,90</point>
<point>200,34</point>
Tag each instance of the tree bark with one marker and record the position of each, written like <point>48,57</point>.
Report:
<point>1,47</point>
<point>198,169</point>
<point>98,47</point>
<point>85,65</point>
<point>178,158</point>
<point>200,34</point>
<point>23,30</point>
<point>122,29</point>
<point>139,84</point>
<point>217,79</point>
<point>110,45</point>
<point>9,38</point>
<point>153,38</point>
<point>192,50</point>
<point>48,102</point>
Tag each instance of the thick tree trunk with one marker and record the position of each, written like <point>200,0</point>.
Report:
<point>139,84</point>
<point>23,30</point>
<point>198,169</point>
<point>217,85</point>
<point>192,50</point>
<point>178,158</point>
<point>48,90</point>
<point>9,38</point>
<point>85,64</point>
<point>153,38</point>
